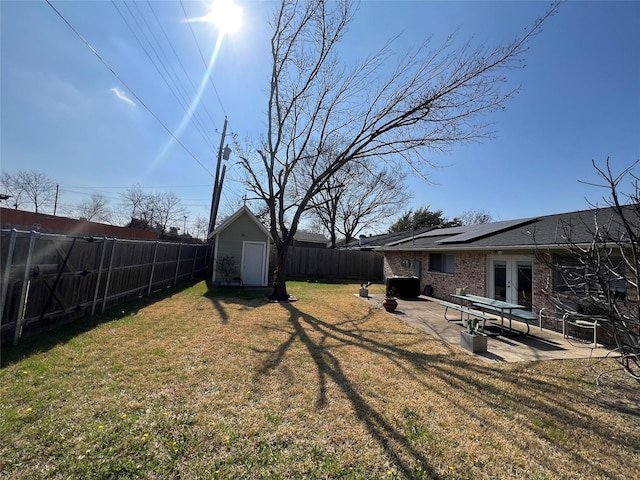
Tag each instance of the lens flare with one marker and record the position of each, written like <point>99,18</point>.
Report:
<point>224,14</point>
<point>192,106</point>
<point>227,17</point>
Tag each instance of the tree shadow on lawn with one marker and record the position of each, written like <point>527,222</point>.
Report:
<point>537,400</point>
<point>389,438</point>
<point>45,341</point>
<point>219,295</point>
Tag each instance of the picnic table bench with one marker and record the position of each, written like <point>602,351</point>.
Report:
<point>462,309</point>
<point>525,316</point>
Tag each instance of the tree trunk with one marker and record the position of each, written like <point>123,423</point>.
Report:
<point>280,274</point>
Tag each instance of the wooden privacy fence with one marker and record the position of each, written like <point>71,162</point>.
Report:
<point>323,263</point>
<point>48,279</point>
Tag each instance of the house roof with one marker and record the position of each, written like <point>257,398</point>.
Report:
<point>372,241</point>
<point>302,236</point>
<point>229,221</point>
<point>552,230</point>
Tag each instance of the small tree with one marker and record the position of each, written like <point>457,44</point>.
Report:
<point>422,218</point>
<point>95,209</point>
<point>226,268</point>
<point>600,278</point>
<point>201,227</point>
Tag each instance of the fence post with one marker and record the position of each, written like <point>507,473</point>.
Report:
<point>7,272</point>
<point>100,265</point>
<point>195,258</point>
<point>26,283</point>
<point>153,267</point>
<point>106,284</point>
<point>175,277</point>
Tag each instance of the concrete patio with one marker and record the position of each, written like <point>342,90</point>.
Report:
<point>426,314</point>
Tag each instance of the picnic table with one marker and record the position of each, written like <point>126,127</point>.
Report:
<point>497,306</point>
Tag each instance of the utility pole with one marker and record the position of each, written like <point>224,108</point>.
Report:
<point>223,153</point>
<point>55,204</point>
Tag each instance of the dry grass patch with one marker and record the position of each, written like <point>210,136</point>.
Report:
<point>221,384</point>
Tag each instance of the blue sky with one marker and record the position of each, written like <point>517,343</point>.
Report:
<point>64,113</point>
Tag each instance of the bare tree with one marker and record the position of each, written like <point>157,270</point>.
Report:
<point>201,227</point>
<point>475,217</point>
<point>134,202</point>
<point>95,209</point>
<point>160,210</point>
<point>433,99</point>
<point>356,198</point>
<point>141,206</point>
<point>599,278</point>
<point>29,188</point>
<point>168,211</point>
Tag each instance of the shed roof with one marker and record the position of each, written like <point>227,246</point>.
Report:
<point>229,221</point>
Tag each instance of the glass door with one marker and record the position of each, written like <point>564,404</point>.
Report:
<point>523,287</point>
<point>511,279</point>
<point>500,280</point>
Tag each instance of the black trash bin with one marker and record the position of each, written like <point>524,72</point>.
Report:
<point>403,287</point>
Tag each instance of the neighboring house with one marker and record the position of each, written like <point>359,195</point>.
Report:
<point>502,260</point>
<point>241,250</point>
<point>40,222</point>
<point>308,239</point>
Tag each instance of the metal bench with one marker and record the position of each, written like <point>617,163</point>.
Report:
<point>524,316</point>
<point>462,309</point>
<point>527,317</point>
<point>585,322</point>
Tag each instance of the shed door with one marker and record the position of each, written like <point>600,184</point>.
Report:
<point>253,263</point>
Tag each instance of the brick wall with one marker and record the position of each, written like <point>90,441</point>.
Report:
<point>470,272</point>
<point>543,282</point>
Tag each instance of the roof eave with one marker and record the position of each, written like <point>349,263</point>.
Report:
<point>452,247</point>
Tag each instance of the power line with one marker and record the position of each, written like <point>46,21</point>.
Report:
<point>177,90</point>
<point>141,186</point>
<point>127,87</point>
<point>184,70</point>
<point>186,17</point>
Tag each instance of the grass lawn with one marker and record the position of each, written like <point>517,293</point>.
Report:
<point>220,384</point>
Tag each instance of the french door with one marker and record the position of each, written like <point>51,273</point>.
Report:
<point>511,279</point>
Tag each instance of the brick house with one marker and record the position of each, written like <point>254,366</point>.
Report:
<point>505,260</point>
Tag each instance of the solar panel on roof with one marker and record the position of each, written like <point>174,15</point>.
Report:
<point>473,232</point>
